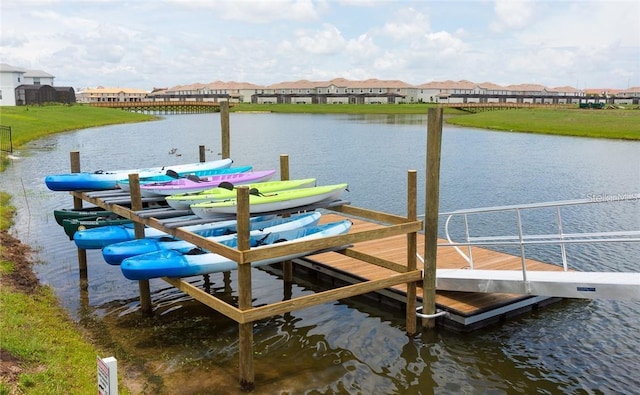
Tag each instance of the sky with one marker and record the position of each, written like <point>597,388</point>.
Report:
<point>148,44</point>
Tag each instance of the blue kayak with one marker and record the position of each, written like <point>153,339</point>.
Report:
<point>96,238</point>
<point>173,263</point>
<point>114,254</point>
<point>101,180</point>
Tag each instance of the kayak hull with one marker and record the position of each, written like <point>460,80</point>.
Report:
<point>92,239</point>
<point>185,185</point>
<point>172,263</point>
<point>77,213</point>
<point>281,200</point>
<point>114,254</point>
<point>124,184</point>
<point>183,201</point>
<point>73,227</point>
<point>102,180</point>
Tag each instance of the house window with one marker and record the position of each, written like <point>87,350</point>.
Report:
<point>36,80</point>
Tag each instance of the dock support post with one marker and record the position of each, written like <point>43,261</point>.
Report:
<point>245,330</point>
<point>203,156</point>
<point>432,196</point>
<point>77,203</point>
<point>287,266</point>
<point>224,125</point>
<point>412,249</point>
<point>138,227</point>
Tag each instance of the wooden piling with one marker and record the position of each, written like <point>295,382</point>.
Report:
<point>245,330</point>
<point>287,266</point>
<point>432,196</point>
<point>77,204</point>
<point>136,205</point>
<point>224,126</point>
<point>412,215</point>
<point>202,154</point>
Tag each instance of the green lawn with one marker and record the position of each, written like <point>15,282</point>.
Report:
<point>32,122</point>
<point>616,124</point>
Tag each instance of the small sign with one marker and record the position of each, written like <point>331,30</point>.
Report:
<point>107,376</point>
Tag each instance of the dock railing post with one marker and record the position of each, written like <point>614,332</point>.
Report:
<point>412,249</point>
<point>432,196</point>
<point>245,330</point>
<point>224,128</point>
<point>74,158</point>
<point>138,227</point>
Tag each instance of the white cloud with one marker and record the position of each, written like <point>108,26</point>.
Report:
<point>171,42</point>
<point>512,15</point>
<point>263,11</point>
<point>407,23</point>
<point>326,41</point>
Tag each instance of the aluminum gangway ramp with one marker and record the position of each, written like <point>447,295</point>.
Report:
<point>583,285</point>
<point>567,282</point>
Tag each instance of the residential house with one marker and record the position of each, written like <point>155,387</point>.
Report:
<point>102,94</point>
<point>10,78</point>
<point>20,87</point>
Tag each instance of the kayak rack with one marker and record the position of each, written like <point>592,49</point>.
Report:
<point>172,222</point>
<point>385,225</point>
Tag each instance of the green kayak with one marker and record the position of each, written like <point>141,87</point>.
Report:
<point>183,201</point>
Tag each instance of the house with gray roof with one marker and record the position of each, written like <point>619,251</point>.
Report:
<point>20,87</point>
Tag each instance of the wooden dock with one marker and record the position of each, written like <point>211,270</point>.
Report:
<point>164,107</point>
<point>467,310</point>
<point>378,255</point>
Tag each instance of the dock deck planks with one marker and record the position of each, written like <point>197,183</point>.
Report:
<point>395,249</point>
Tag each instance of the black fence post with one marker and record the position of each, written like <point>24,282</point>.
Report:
<point>6,144</point>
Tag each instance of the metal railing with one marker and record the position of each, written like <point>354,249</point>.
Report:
<point>521,240</point>
<point>6,142</point>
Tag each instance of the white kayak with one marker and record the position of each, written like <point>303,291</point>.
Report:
<point>281,200</point>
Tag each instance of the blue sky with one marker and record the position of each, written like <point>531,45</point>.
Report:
<point>163,43</point>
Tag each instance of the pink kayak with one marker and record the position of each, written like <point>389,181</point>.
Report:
<point>193,184</point>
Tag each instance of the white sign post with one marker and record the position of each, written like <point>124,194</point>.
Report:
<point>107,376</point>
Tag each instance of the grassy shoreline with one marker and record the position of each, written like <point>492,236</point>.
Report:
<point>612,124</point>
<point>57,355</point>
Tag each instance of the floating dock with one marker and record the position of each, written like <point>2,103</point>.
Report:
<point>466,311</point>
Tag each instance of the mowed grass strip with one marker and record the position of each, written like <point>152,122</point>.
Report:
<point>610,123</point>
<point>32,122</point>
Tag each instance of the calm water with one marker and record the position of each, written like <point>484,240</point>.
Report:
<point>354,346</point>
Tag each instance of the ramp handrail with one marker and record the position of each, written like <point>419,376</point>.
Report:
<point>520,239</point>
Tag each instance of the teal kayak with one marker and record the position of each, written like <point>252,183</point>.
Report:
<point>170,176</point>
